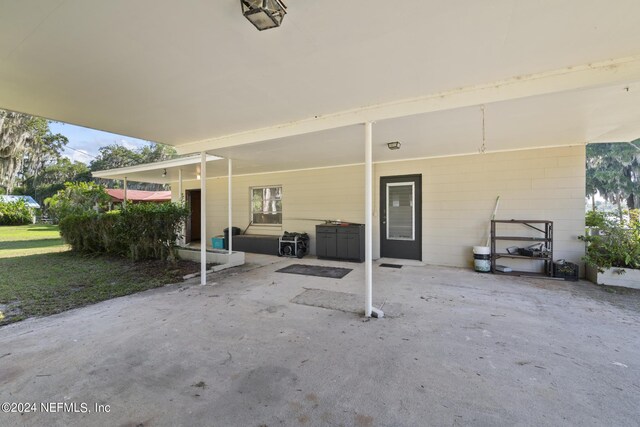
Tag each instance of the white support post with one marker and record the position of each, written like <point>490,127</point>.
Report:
<point>230,213</point>
<point>124,199</point>
<point>181,200</point>
<point>368,218</point>
<point>203,218</point>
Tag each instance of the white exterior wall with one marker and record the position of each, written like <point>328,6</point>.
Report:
<point>458,196</point>
<point>330,193</point>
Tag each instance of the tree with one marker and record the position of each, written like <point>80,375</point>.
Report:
<point>14,136</point>
<point>52,177</point>
<point>157,153</point>
<point>78,198</point>
<point>117,156</point>
<point>612,171</point>
<point>26,146</point>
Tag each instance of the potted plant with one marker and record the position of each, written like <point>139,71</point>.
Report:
<point>595,221</point>
<point>613,255</point>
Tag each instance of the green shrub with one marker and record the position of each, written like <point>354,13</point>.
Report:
<point>80,231</point>
<point>596,219</point>
<point>141,231</point>
<point>618,245</point>
<point>634,218</point>
<point>15,213</point>
<point>151,229</point>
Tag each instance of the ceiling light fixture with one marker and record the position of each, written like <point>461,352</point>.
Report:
<point>395,145</point>
<point>264,14</point>
<point>164,173</point>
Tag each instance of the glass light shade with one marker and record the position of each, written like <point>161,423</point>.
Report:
<point>264,14</point>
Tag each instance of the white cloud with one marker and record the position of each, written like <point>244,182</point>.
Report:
<point>87,142</point>
<point>130,145</point>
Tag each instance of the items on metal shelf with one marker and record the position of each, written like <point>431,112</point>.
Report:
<point>535,250</point>
<point>293,244</point>
<point>538,246</point>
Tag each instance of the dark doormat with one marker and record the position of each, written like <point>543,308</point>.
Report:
<point>316,270</point>
<point>390,265</point>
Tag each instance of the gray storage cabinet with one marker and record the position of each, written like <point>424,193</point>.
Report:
<point>343,242</point>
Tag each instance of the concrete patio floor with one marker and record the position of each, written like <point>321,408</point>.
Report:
<point>462,349</point>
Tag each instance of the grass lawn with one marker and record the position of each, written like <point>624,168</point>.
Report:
<point>30,240</point>
<point>40,276</point>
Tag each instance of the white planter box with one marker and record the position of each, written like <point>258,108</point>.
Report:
<point>625,277</point>
<point>219,257</point>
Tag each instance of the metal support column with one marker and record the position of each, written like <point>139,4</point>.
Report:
<point>368,218</point>
<point>181,200</point>
<point>203,218</point>
<point>230,213</point>
<point>124,198</point>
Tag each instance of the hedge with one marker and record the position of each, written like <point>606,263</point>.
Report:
<point>15,213</point>
<point>141,231</point>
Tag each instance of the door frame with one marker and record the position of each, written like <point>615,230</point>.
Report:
<point>390,248</point>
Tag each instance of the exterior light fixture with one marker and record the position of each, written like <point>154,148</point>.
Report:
<point>264,14</point>
<point>164,173</point>
<point>395,145</point>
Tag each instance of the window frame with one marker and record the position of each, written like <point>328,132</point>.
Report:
<point>251,212</point>
<point>413,210</point>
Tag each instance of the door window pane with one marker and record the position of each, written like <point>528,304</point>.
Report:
<point>400,211</point>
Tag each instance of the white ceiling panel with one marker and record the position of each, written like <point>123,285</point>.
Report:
<point>182,72</point>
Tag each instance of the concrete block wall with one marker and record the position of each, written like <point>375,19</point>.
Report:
<point>459,195</point>
<point>458,198</point>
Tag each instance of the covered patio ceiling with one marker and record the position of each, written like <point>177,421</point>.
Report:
<point>199,76</point>
<point>557,119</point>
<point>186,168</point>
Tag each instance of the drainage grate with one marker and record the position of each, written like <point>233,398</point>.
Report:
<point>390,265</point>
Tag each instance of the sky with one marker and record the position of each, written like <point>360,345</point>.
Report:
<point>84,143</point>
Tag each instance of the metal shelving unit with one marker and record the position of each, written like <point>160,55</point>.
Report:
<point>542,226</point>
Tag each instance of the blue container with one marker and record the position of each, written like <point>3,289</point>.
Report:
<point>217,242</point>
